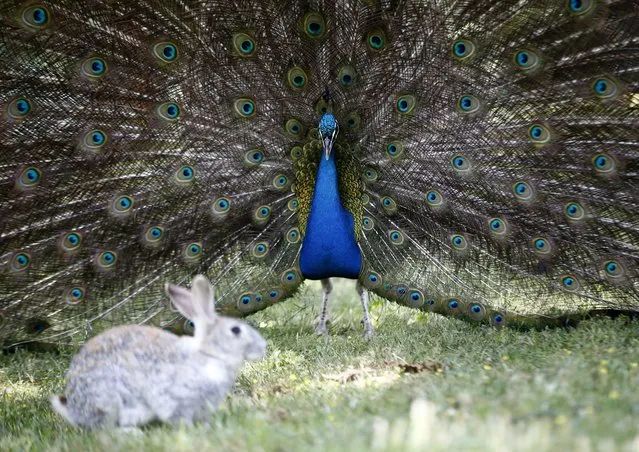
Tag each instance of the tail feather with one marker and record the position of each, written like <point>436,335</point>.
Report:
<point>488,153</point>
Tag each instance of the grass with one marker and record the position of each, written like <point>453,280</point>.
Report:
<point>424,382</point>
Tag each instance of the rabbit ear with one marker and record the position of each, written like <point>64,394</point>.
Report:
<point>182,299</point>
<point>203,301</point>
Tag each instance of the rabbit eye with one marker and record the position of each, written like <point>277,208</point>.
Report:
<point>236,330</point>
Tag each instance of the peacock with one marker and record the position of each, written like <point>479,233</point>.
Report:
<point>472,158</point>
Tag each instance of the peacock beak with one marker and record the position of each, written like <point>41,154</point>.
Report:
<point>328,147</point>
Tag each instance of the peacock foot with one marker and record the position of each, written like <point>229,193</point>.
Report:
<point>321,330</point>
<point>369,331</point>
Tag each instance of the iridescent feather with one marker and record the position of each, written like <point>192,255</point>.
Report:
<point>486,153</point>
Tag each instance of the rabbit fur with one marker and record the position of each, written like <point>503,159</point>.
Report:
<point>132,375</point>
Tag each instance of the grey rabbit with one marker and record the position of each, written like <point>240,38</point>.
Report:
<point>132,375</point>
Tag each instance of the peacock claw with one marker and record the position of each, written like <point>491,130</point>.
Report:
<point>369,331</point>
<point>321,330</point>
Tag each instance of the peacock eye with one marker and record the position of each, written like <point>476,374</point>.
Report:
<point>314,25</point>
<point>236,330</point>
<point>94,67</point>
<point>297,78</point>
<point>166,51</point>
<point>463,49</point>
<point>376,40</point>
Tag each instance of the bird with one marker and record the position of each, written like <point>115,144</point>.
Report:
<point>474,159</point>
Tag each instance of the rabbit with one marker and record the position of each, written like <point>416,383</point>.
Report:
<point>132,375</point>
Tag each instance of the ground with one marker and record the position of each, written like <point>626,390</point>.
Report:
<point>424,383</point>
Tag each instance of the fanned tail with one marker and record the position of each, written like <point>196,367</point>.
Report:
<point>507,191</point>
<point>487,151</point>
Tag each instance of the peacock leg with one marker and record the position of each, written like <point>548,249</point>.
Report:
<point>326,290</point>
<point>369,332</point>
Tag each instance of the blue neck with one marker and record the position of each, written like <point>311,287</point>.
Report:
<point>329,248</point>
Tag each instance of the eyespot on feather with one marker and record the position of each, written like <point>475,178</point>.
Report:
<point>368,224</point>
<point>75,295</point>
<point>463,49</point>
<point>405,104</point>
<point>19,261</point>
<point>570,283</point>
<point>260,250</point>
<point>542,246</point>
<point>293,235</point>
<point>184,175</point>
<point>434,199</point>
<point>527,61</point>
<point>388,204</point>
<point>468,104</point>
<point>294,127</point>
<point>574,211</point>
<point>394,149</point>
<point>19,108</point>
<point>476,311</point>
<point>70,242</point>
<point>28,179</point>
<point>396,237</point>
<point>297,78</point>
<point>245,107</point>
<point>254,157</point>
<point>261,215</point>
<point>153,235</point>
<point>314,25</point>
<point>605,88</point>
<point>372,280</point>
<point>459,242</point>
<point>166,52</point>
<point>290,278</point>
<point>244,45</point>
<point>539,134</point>
<point>94,68</point>
<point>581,8</point>
<point>221,207</point>
<point>461,164</point>
<point>192,252</point>
<point>376,40</point>
<point>105,260</point>
<point>169,111</point>
<point>94,140</point>
<point>36,16</point>
<point>347,76</point>
<point>122,205</point>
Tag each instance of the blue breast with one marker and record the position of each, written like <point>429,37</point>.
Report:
<point>329,248</point>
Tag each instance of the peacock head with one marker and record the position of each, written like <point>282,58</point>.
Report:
<point>328,130</point>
